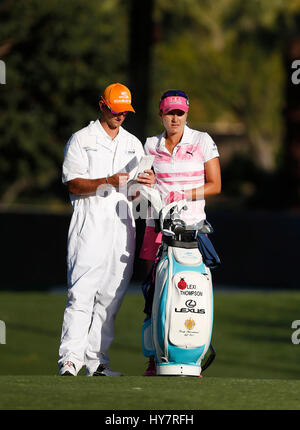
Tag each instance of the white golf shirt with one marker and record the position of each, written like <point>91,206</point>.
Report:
<point>91,153</point>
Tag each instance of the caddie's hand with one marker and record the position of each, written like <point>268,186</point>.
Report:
<point>118,180</point>
<point>147,178</point>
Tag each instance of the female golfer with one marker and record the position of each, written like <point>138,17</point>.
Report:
<point>186,165</point>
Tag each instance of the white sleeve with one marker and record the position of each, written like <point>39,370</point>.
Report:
<point>141,151</point>
<point>146,147</point>
<point>76,164</point>
<point>209,148</point>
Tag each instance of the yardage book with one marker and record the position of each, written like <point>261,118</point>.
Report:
<point>144,164</point>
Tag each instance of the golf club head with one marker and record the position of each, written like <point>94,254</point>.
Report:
<point>172,212</point>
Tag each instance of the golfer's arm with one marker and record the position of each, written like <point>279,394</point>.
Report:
<point>84,187</point>
<point>212,184</point>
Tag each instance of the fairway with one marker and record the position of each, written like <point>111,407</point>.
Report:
<point>138,393</point>
<point>257,365</point>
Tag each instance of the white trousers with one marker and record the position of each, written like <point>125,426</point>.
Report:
<point>101,249</point>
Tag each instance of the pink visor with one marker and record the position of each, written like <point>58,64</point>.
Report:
<point>174,102</point>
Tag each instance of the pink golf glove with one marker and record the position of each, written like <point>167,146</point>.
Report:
<point>174,196</point>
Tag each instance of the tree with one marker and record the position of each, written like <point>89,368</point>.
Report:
<point>140,63</point>
<point>228,57</point>
<point>59,55</point>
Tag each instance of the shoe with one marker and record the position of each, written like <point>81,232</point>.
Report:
<point>151,369</point>
<point>67,369</point>
<point>105,370</point>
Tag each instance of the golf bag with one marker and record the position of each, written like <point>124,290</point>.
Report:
<point>178,328</point>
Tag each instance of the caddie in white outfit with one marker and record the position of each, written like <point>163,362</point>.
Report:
<point>99,159</point>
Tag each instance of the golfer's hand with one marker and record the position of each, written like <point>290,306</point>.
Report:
<point>118,180</point>
<point>174,196</point>
<point>147,178</point>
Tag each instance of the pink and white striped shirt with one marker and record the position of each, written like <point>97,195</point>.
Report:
<point>184,169</point>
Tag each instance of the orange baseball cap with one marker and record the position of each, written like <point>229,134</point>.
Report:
<point>118,98</point>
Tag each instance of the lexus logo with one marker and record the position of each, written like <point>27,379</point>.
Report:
<point>190,303</point>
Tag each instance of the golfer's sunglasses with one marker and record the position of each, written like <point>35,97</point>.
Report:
<point>113,112</point>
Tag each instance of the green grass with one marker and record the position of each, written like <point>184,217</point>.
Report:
<point>257,366</point>
<point>138,393</point>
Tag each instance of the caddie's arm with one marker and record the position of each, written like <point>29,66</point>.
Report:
<point>212,184</point>
<point>85,187</point>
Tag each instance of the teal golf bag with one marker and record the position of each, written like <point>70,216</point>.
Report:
<point>179,306</point>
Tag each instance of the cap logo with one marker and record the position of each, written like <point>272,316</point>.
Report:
<point>124,95</point>
<point>177,100</point>
<point>122,101</point>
